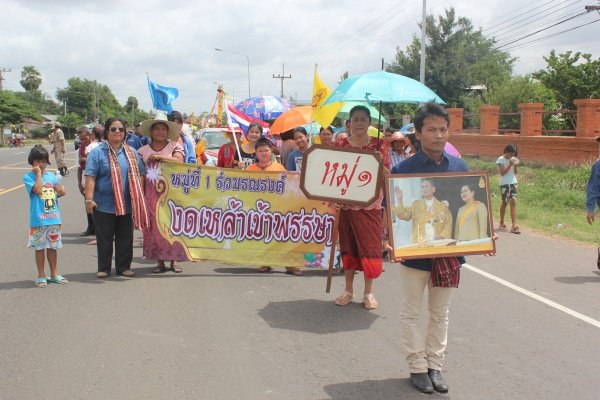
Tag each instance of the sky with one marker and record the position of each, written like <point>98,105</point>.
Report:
<point>119,42</point>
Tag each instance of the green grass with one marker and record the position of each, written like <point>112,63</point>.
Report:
<point>550,200</point>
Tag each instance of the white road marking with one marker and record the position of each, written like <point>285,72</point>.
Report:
<point>10,189</point>
<point>534,296</point>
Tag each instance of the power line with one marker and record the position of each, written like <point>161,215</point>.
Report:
<point>512,34</point>
<point>521,19</point>
<point>539,30</point>
<point>548,36</point>
<point>514,11</point>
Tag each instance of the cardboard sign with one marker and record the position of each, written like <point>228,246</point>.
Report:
<point>341,175</point>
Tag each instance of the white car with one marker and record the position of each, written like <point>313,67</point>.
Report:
<point>214,139</point>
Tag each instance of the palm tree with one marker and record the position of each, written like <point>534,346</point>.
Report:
<point>31,78</point>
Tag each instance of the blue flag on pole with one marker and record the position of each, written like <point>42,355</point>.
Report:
<point>162,96</point>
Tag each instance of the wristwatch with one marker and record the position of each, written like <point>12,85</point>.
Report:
<point>88,201</point>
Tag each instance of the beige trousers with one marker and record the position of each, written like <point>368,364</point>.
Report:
<point>59,156</point>
<point>429,351</point>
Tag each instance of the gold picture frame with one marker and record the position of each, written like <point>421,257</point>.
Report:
<point>439,215</point>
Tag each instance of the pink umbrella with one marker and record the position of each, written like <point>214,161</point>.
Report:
<point>450,149</point>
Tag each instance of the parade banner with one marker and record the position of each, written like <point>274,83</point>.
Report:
<point>241,217</point>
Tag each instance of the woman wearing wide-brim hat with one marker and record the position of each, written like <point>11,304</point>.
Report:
<point>163,148</point>
<point>227,152</point>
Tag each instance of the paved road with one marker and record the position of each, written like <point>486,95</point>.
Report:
<point>227,332</point>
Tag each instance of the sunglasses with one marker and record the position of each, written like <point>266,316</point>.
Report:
<point>115,129</point>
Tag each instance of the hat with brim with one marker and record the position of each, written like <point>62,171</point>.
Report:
<point>146,126</point>
<point>232,130</point>
<point>398,136</point>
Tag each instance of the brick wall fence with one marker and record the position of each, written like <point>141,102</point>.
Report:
<point>533,147</point>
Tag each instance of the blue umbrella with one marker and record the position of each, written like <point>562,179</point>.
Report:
<point>382,87</point>
<point>264,107</point>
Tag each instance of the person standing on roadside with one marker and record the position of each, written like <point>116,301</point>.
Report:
<point>44,216</point>
<point>58,148</point>
<point>425,355</point>
<point>186,141</point>
<point>507,165</point>
<point>86,139</point>
<point>114,193</point>
<point>593,196</point>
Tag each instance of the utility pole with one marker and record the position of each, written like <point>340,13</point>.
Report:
<point>423,47</point>
<point>1,77</point>
<point>282,77</point>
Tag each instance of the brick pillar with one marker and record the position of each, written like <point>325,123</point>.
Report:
<point>531,118</point>
<point>489,120</point>
<point>456,119</point>
<point>588,117</point>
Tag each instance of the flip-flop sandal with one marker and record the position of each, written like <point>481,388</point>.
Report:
<point>295,272</point>
<point>176,268</point>
<point>515,230</point>
<point>41,282</point>
<point>264,269</point>
<point>61,280</point>
<point>502,228</point>
<point>344,299</point>
<point>159,269</point>
<point>369,302</point>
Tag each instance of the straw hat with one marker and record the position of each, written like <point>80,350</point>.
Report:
<point>235,129</point>
<point>398,136</point>
<point>146,126</point>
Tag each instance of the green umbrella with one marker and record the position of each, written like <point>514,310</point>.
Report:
<point>345,110</point>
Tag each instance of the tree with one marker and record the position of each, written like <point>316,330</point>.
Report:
<point>458,57</point>
<point>571,76</point>
<point>13,110</point>
<point>132,103</point>
<point>524,89</point>
<point>42,103</point>
<point>31,79</point>
<point>70,121</point>
<point>343,77</point>
<point>90,100</point>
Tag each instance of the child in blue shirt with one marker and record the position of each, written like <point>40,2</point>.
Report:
<point>44,215</point>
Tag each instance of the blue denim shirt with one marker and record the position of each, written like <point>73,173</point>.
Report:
<point>421,163</point>
<point>593,188</point>
<point>98,165</point>
<point>133,141</point>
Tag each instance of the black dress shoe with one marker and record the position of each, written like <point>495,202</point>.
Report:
<point>439,384</point>
<point>422,382</point>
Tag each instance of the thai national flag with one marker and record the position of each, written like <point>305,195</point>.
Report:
<point>237,119</point>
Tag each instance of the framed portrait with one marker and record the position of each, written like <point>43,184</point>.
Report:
<point>439,215</point>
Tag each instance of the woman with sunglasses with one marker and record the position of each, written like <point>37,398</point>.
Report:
<point>114,194</point>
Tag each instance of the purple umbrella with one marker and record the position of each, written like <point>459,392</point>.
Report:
<point>450,149</point>
<point>264,107</point>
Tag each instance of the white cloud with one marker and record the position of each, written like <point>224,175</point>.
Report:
<point>118,42</point>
